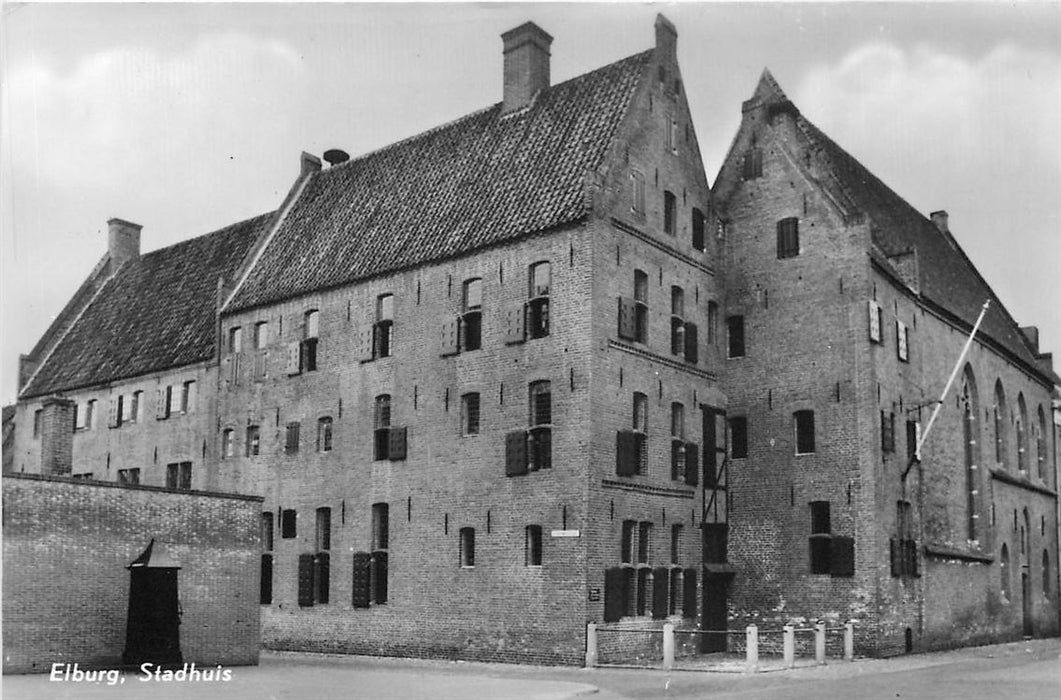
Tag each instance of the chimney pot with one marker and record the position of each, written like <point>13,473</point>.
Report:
<point>939,218</point>
<point>123,241</point>
<point>526,69</point>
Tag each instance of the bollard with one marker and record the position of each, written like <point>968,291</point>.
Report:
<point>752,649</point>
<point>591,645</point>
<point>668,646</point>
<point>789,637</point>
<point>819,642</point>
<point>849,641</point>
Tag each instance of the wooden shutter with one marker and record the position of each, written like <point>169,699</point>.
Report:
<point>689,606</point>
<point>323,576</point>
<point>449,337</point>
<point>361,579</point>
<point>692,463</point>
<point>380,565</point>
<point>627,318</point>
<point>660,591</point>
<point>305,580</point>
<point>842,556</point>
<point>874,322</point>
<point>366,348</point>
<point>902,349</point>
<point>236,367</point>
<point>112,413</point>
<point>627,453</point>
<point>293,355</point>
<point>266,587</point>
<point>516,453</point>
<point>909,556</point>
<point>161,403</point>
<point>396,443</point>
<point>691,343</point>
<point>614,594</point>
<point>515,317</point>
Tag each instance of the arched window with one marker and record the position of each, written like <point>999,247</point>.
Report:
<point>1022,434</point>
<point>970,409</point>
<point>1000,423</point>
<point>1003,570</point>
<point>1040,445</point>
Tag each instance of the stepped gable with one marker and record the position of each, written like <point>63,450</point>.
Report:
<point>483,179</point>
<point>158,311</point>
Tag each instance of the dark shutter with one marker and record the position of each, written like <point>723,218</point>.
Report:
<point>698,229</point>
<point>449,337</point>
<point>660,590</point>
<point>380,565</point>
<point>361,579</point>
<point>896,556</point>
<point>714,542</point>
<point>614,594</point>
<point>514,324</point>
<point>516,453</point>
<point>323,577</point>
<point>710,450</point>
<point>689,606</point>
<point>909,555</point>
<point>627,318</point>
<point>397,443</point>
<point>691,344</point>
<point>626,453</point>
<point>305,580</point>
<point>267,580</point>
<point>677,453</point>
<point>842,556</point>
<point>692,463</point>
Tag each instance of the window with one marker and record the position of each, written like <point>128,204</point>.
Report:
<point>672,135</point>
<point>90,414</point>
<point>310,340</point>
<point>383,330</point>
<point>735,331</point>
<point>228,443</point>
<point>136,407</point>
<point>675,544</point>
<point>79,419</point>
<point>875,335</point>
<point>532,548</point>
<point>1022,434</point>
<point>188,396</point>
<point>804,423</point>
<point>669,213</point>
<point>677,433</point>
<point>472,318</point>
<point>904,547</point>
<point>1000,423</point>
<point>821,534</point>
<point>627,543</point>
<point>163,402</point>
<point>677,320</point>
<point>902,342</point>
<point>324,434</point>
<point>752,165</point>
<point>291,443</point>
<point>179,475</point>
<point>322,557</point>
<point>175,395</point>
<point>637,185</point>
<point>539,448</point>
<point>265,595</point>
<point>1040,444</point>
<point>698,229</point>
<point>129,476</point>
<point>125,409</point>
<point>382,423</point>
<point>738,437</point>
<point>644,542</point>
<point>261,335</point>
<point>887,431</point>
<point>640,306</point>
<point>467,547</point>
<point>253,440</point>
<point>641,430</point>
<point>470,414</point>
<point>235,339</point>
<point>288,524</point>
<point>379,563</point>
<point>1003,571</point>
<point>38,417</point>
<point>538,306</point>
<point>787,238</point>
<point>712,323</point>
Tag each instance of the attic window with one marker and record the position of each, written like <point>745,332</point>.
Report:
<point>787,238</point>
<point>235,339</point>
<point>752,166</point>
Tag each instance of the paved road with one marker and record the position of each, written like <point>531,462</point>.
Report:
<point>1018,671</point>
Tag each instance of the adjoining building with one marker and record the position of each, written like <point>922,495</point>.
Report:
<point>526,371</point>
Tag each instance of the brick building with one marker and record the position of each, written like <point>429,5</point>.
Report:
<point>481,378</point>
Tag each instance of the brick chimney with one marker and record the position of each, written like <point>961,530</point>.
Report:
<point>939,218</point>
<point>123,241</point>
<point>57,436</point>
<point>526,50</point>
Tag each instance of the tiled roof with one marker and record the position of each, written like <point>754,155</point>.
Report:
<point>477,181</point>
<point>947,278</point>
<point>156,312</point>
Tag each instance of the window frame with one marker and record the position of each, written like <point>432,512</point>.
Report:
<point>325,434</point>
<point>788,238</point>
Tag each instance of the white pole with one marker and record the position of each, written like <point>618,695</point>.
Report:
<point>789,645</point>
<point>668,646</point>
<point>751,652</point>
<point>591,645</point>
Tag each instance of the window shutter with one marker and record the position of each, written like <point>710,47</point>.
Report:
<point>381,565</point>
<point>397,443</point>
<point>361,579</point>
<point>714,542</point>
<point>449,338</point>
<point>514,324</point>
<point>874,322</point>
<point>689,606</point>
<point>909,555</point>
<point>112,413</point>
<point>161,403</point>
<point>660,591</point>
<point>691,343</point>
<point>614,598</point>
<point>626,453</point>
<point>266,587</point>
<point>627,318</point>
<point>294,354</point>
<point>323,576</point>
<point>366,346</point>
<point>235,367</point>
<point>305,580</point>
<point>692,463</point>
<point>516,453</point>
<point>842,556</point>
<point>902,349</point>
<point>677,453</point>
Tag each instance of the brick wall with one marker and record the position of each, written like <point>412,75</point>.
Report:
<point>65,589</point>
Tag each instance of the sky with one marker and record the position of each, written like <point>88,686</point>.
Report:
<point>185,118</point>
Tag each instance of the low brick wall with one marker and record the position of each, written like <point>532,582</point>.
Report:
<point>65,585</point>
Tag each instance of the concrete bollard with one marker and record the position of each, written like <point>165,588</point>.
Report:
<point>789,639</point>
<point>849,641</point>
<point>591,645</point>
<point>819,642</point>
<point>751,634</point>
<point>668,646</point>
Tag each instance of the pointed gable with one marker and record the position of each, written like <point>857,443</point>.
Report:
<point>484,179</point>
